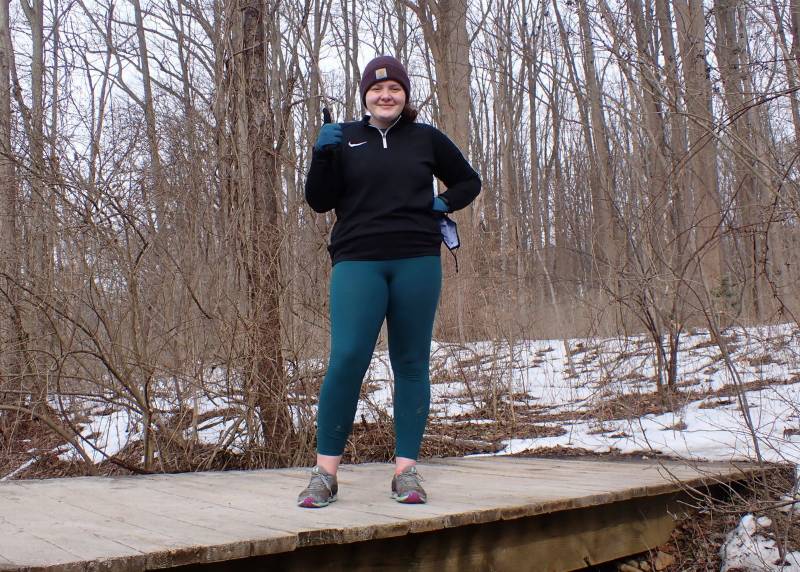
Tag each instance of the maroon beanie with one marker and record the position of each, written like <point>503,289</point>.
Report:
<point>381,69</point>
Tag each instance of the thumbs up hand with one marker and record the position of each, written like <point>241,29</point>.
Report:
<point>330,135</point>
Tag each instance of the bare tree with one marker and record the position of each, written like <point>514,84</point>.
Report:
<point>255,142</point>
<point>703,200</point>
<point>12,337</point>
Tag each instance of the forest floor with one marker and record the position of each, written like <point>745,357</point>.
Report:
<point>577,397</point>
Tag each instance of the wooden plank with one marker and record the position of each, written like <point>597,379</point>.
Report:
<point>22,548</point>
<point>190,521</point>
<point>197,506</point>
<point>579,468</point>
<point>159,514</point>
<point>284,513</point>
<point>120,505</point>
<point>59,526</point>
<point>652,476</point>
<point>359,495</point>
<point>567,484</point>
<point>194,512</point>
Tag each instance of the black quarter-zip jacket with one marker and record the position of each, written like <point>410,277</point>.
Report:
<point>381,184</point>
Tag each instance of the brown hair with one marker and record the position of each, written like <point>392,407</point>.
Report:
<point>409,113</point>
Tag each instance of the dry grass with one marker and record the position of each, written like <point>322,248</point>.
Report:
<point>26,439</point>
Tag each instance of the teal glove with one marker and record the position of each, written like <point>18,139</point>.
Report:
<point>330,136</point>
<point>440,205</point>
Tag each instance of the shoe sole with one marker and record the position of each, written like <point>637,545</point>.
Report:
<point>309,502</point>
<point>411,498</point>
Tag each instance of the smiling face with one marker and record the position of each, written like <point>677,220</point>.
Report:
<point>385,100</point>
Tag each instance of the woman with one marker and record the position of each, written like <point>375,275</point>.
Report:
<point>378,175</point>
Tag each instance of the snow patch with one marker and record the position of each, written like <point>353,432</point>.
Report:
<point>747,548</point>
<point>105,436</point>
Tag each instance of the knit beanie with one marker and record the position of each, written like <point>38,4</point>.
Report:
<point>381,69</point>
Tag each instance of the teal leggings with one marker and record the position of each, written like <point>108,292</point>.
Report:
<point>405,292</point>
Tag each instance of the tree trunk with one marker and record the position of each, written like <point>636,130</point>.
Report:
<point>676,145</point>
<point>701,162</point>
<point>747,144</point>
<point>258,177</point>
<point>41,241</point>
<point>156,187</point>
<point>794,6</point>
<point>791,68</point>
<point>11,333</point>
<point>607,237</point>
<point>449,46</point>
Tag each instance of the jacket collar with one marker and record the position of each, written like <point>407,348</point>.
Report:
<point>399,121</point>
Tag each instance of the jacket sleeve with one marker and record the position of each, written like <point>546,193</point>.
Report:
<point>462,181</point>
<point>324,181</point>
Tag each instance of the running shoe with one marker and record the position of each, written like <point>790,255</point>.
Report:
<point>320,492</point>
<point>406,487</point>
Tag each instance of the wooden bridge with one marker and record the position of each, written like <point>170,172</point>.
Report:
<point>484,514</point>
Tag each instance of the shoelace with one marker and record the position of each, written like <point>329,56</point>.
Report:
<point>319,482</point>
<point>410,479</point>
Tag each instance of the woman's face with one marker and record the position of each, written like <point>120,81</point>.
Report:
<point>385,100</point>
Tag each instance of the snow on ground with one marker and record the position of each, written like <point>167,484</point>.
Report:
<point>539,375</point>
<point>747,548</point>
<point>105,435</point>
<point>711,427</point>
<point>706,429</point>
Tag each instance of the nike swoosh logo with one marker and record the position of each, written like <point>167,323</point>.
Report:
<point>356,144</point>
